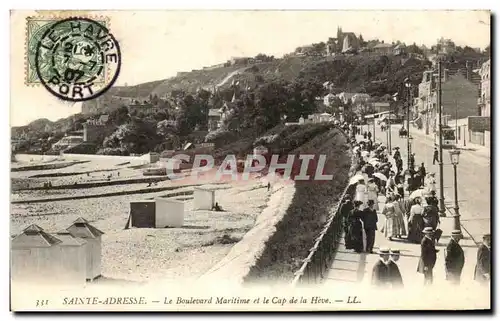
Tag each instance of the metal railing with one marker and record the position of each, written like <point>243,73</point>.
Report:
<point>321,255</point>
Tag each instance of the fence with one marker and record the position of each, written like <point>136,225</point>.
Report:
<point>476,138</point>
<point>322,253</point>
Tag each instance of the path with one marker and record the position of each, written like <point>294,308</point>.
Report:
<point>353,270</point>
<point>474,189</point>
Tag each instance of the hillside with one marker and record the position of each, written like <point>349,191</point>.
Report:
<point>349,73</point>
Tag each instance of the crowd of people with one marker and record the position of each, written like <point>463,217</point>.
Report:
<point>380,173</point>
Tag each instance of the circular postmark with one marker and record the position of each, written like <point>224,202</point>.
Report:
<point>77,59</point>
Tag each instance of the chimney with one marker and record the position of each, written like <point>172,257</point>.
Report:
<point>468,68</point>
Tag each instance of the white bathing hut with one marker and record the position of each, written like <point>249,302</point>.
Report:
<point>203,199</point>
<point>34,256</point>
<point>169,213</point>
<point>73,255</point>
<point>82,229</point>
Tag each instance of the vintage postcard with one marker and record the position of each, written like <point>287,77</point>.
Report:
<point>250,160</point>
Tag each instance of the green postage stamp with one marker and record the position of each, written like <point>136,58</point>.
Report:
<point>36,27</point>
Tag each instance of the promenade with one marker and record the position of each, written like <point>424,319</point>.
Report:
<point>350,269</point>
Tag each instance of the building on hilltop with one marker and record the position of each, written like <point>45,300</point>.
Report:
<point>383,49</point>
<point>67,142</point>
<point>400,50</point>
<point>345,41</point>
<point>484,99</point>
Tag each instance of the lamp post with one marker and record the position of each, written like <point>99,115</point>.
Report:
<point>410,140</point>
<point>454,157</point>
<point>442,211</point>
<point>408,85</point>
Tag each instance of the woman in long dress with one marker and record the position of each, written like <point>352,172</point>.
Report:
<point>372,193</point>
<point>398,216</point>
<point>390,227</point>
<point>416,222</point>
<point>361,192</point>
<point>355,239</point>
<point>431,183</point>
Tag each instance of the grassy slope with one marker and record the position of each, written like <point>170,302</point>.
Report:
<point>305,218</point>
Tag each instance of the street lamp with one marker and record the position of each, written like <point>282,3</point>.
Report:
<point>454,157</point>
<point>442,211</point>
<point>408,85</point>
<point>410,140</point>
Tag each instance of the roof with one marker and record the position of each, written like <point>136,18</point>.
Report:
<point>383,45</point>
<point>34,236</point>
<point>83,229</point>
<point>68,239</point>
<point>214,112</point>
<point>141,105</point>
<point>349,34</point>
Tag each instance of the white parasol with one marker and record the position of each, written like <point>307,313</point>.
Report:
<point>355,179</point>
<point>418,193</point>
<point>380,176</point>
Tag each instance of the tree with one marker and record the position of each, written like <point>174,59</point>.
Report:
<point>119,116</point>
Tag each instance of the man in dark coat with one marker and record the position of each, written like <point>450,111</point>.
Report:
<point>397,153</point>
<point>412,161</point>
<point>422,173</point>
<point>427,255</point>
<point>380,273</point>
<point>454,258</point>
<point>369,135</point>
<point>482,272</point>
<point>394,273</point>
<point>370,220</point>
<point>346,208</point>
<point>435,158</point>
<point>431,214</point>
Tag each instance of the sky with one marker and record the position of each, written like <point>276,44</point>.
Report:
<point>157,44</point>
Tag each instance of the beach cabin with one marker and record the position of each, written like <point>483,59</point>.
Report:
<point>204,199</point>
<point>169,213</point>
<point>82,229</point>
<point>143,213</point>
<point>73,258</point>
<point>34,256</point>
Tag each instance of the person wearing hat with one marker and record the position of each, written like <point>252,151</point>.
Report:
<point>416,222</point>
<point>370,220</point>
<point>412,160</point>
<point>454,258</point>
<point>422,172</point>
<point>397,153</point>
<point>431,182</point>
<point>435,157</point>
<point>394,274</point>
<point>354,239</point>
<point>345,209</point>
<point>361,192</point>
<point>482,271</point>
<point>372,192</point>
<point>431,214</point>
<point>380,272</point>
<point>427,255</point>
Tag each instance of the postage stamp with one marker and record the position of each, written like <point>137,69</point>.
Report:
<point>75,58</point>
